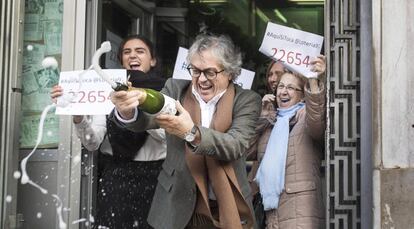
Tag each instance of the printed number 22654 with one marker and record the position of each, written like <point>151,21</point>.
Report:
<point>91,97</point>
<point>290,57</point>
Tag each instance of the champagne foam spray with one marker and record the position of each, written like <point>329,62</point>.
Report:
<point>64,100</point>
<point>25,179</point>
<point>49,62</point>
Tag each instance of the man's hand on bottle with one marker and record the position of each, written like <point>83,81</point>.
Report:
<point>125,102</point>
<point>177,125</point>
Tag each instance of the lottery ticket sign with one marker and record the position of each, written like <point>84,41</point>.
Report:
<point>245,79</point>
<point>294,48</point>
<point>89,91</point>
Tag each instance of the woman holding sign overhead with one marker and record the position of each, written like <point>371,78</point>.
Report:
<point>291,140</point>
<point>129,162</point>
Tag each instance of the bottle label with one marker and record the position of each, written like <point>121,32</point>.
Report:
<point>169,106</point>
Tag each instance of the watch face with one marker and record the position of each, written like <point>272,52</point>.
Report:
<point>189,137</point>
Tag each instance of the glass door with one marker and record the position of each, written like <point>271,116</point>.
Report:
<point>108,21</point>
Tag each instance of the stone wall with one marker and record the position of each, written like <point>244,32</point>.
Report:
<point>393,113</point>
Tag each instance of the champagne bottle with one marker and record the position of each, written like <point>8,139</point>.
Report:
<point>153,102</point>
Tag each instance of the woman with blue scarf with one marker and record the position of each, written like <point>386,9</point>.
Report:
<point>292,140</point>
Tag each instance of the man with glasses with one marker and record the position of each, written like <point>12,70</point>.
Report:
<point>208,73</point>
<point>203,183</point>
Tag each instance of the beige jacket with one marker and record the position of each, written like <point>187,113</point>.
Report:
<point>301,204</point>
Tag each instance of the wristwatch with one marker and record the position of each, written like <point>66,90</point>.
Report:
<point>190,136</point>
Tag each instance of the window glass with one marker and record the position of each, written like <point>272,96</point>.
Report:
<point>245,22</point>
<point>42,39</point>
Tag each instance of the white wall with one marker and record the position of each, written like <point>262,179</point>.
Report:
<point>393,113</point>
<point>397,83</point>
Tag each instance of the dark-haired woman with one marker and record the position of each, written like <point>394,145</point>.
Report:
<point>129,163</point>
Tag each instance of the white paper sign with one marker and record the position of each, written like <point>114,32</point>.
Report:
<point>91,91</point>
<point>245,79</point>
<point>180,68</point>
<point>294,48</point>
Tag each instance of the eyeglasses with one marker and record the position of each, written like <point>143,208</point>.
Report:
<point>209,73</point>
<point>289,87</point>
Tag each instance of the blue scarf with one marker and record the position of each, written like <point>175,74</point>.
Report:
<point>271,173</point>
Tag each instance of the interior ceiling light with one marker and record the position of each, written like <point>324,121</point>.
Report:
<point>308,2</point>
<point>206,10</point>
<point>261,15</point>
<point>280,16</point>
<point>296,26</point>
<point>209,1</point>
